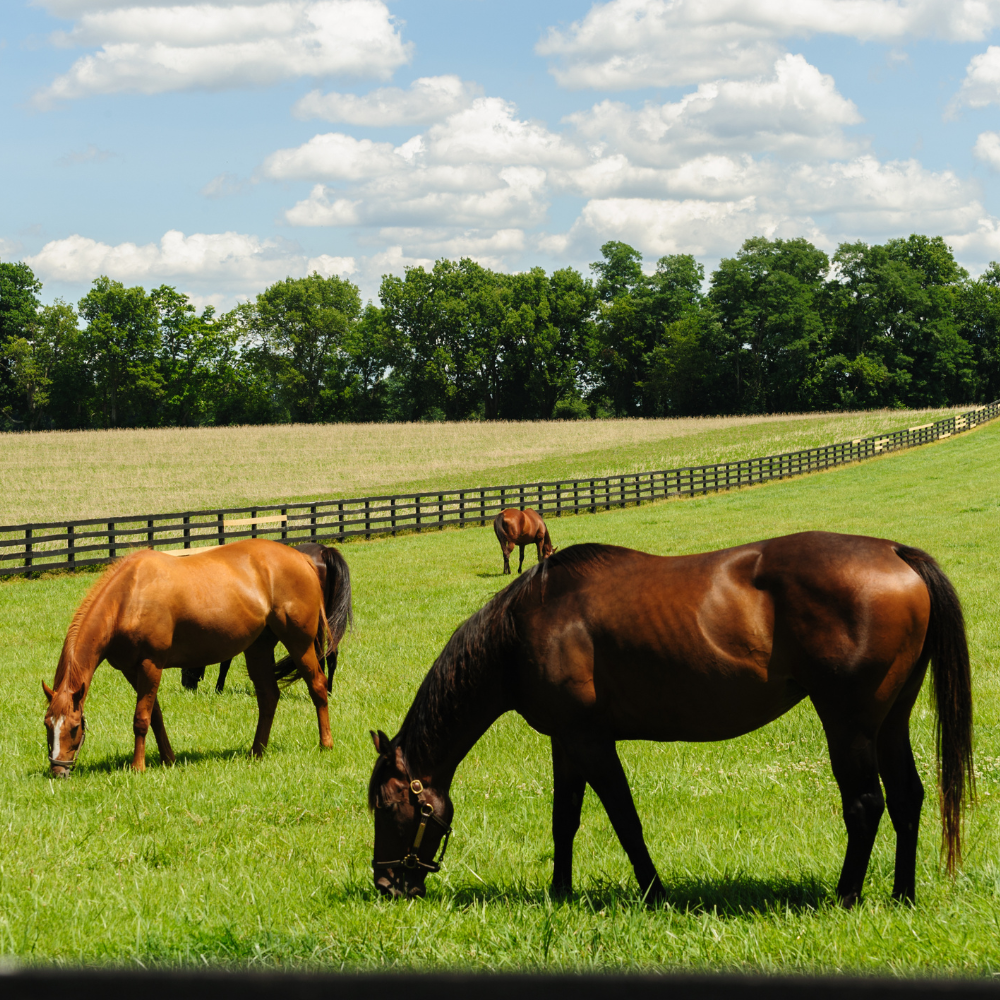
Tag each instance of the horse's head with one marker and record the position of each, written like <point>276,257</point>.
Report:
<point>411,820</point>
<point>65,727</point>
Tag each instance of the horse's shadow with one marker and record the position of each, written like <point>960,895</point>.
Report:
<point>123,761</point>
<point>728,896</point>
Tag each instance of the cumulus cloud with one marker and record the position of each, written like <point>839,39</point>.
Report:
<point>626,44</point>
<point>429,99</point>
<point>151,49</point>
<point>230,261</point>
<point>796,112</point>
<point>987,149</point>
<point>981,85</point>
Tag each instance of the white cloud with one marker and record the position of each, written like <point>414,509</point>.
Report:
<point>429,99</point>
<point>225,185</point>
<point>625,44</point>
<point>328,266</point>
<point>232,261</point>
<point>152,49</point>
<point>333,156</point>
<point>796,112</point>
<point>987,149</point>
<point>981,85</point>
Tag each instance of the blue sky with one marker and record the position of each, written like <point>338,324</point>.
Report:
<point>219,147</point>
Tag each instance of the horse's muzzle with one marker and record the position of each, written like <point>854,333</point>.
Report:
<point>391,886</point>
<point>59,771</point>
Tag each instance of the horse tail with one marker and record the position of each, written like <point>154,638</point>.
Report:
<point>338,610</point>
<point>500,528</point>
<point>948,650</point>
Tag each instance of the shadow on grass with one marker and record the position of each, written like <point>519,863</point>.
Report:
<point>731,897</point>
<point>123,761</point>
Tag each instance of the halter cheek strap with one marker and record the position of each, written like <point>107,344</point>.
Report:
<point>411,859</point>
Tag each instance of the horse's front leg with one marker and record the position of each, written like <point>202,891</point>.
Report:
<point>521,561</point>
<point>146,681</point>
<point>568,788</point>
<point>598,760</point>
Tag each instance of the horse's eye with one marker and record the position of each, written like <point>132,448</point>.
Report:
<point>74,731</point>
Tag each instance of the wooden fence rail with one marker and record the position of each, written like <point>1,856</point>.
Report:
<point>32,548</point>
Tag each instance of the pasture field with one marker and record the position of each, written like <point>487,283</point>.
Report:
<point>80,474</point>
<point>220,861</point>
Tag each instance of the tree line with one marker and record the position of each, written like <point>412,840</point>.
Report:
<point>779,327</point>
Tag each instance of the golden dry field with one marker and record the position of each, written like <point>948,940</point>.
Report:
<point>80,474</point>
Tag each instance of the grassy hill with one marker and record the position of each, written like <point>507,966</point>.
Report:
<point>223,861</point>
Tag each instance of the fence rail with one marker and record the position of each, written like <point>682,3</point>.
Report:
<point>30,548</point>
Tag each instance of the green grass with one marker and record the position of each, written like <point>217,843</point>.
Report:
<point>227,862</point>
<point>47,476</point>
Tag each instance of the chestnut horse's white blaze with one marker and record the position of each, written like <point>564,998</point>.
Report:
<point>56,727</point>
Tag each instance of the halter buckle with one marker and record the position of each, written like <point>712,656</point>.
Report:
<point>416,786</point>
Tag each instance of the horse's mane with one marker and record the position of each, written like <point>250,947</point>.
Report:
<point>67,662</point>
<point>483,643</point>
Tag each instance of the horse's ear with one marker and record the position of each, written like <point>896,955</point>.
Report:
<point>48,691</point>
<point>78,696</point>
<point>381,741</point>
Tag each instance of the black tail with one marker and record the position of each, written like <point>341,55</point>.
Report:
<point>952,681</point>
<point>338,613</point>
<point>499,528</point>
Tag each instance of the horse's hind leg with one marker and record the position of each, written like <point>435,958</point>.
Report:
<point>505,550</point>
<point>160,732</point>
<point>598,760</point>
<point>904,792</point>
<point>568,789</point>
<point>260,667</point>
<point>853,756</point>
<point>521,561</point>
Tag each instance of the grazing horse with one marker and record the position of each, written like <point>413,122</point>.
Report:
<point>335,579</point>
<point>150,612</point>
<point>599,643</point>
<point>521,527</point>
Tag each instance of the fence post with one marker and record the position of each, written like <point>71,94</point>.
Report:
<point>368,520</point>
<point>593,498</point>
<point>112,548</point>
<point>392,515</point>
<point>440,512</point>
<point>284,523</point>
<point>522,498</point>
<point>541,501</point>
<point>558,499</point>
<point>482,507</point>
<point>461,509</point>
<point>27,546</point>
<point>340,517</point>
<point>70,544</point>
<point>253,524</point>
<point>187,532</point>
<point>417,505</point>
<point>222,529</point>
<point>312,523</point>
<point>149,533</point>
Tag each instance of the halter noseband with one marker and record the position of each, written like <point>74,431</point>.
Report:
<point>411,860</point>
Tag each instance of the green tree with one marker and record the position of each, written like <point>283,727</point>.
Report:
<point>771,299</point>
<point>19,290</point>
<point>978,314</point>
<point>120,344</point>
<point>302,330</point>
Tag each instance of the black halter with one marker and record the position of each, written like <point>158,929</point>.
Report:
<point>411,860</point>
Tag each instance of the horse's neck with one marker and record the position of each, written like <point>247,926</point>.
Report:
<point>456,735</point>
<point>85,647</point>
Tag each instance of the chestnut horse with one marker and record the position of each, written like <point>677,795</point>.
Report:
<point>599,643</point>
<point>521,527</point>
<point>335,579</point>
<point>150,611</point>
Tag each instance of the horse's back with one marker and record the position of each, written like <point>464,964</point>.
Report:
<point>711,645</point>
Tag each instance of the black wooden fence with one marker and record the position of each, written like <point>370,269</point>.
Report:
<point>27,548</point>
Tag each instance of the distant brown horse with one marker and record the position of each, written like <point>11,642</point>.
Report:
<point>598,644</point>
<point>335,579</point>
<point>521,527</point>
<point>150,612</point>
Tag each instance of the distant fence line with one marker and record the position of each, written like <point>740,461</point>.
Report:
<point>32,548</point>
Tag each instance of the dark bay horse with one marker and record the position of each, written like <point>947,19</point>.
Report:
<point>150,612</point>
<point>335,579</point>
<point>598,644</point>
<point>521,527</point>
